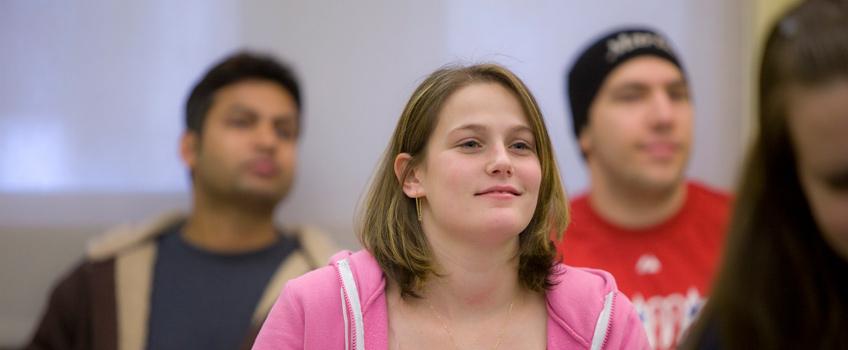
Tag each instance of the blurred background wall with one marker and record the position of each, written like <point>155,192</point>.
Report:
<point>91,97</point>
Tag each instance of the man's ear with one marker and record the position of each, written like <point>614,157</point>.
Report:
<point>189,148</point>
<point>411,184</point>
<point>585,141</point>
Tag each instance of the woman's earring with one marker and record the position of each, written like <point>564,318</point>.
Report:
<point>418,208</point>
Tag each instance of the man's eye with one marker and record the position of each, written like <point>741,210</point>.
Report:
<point>285,133</point>
<point>628,96</point>
<point>238,122</point>
<point>678,95</point>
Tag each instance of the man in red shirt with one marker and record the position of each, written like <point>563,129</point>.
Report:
<point>658,233</point>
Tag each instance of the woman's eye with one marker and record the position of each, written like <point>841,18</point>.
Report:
<point>470,144</point>
<point>837,183</point>
<point>522,146</point>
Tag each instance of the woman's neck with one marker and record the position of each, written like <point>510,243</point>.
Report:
<point>475,300</point>
<point>474,279</point>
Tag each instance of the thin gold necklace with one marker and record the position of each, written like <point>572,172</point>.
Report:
<point>476,340</point>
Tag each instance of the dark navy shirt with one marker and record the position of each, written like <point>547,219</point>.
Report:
<point>205,300</point>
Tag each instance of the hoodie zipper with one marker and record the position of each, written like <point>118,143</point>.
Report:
<point>345,312</point>
<point>350,297</point>
<point>604,323</point>
<point>609,325</point>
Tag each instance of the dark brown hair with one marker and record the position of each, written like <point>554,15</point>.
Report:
<point>238,67</point>
<point>781,285</point>
<point>390,230</point>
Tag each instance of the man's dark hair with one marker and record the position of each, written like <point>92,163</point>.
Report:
<point>236,68</point>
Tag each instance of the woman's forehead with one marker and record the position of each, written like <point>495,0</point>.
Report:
<point>818,121</point>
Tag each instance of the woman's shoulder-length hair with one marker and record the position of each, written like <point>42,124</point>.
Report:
<point>389,228</point>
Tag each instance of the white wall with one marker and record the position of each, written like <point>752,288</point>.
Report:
<point>91,96</point>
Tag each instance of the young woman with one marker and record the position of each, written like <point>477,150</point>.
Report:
<point>456,233</point>
<point>784,282</point>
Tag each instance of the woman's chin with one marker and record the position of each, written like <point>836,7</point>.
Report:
<point>504,228</point>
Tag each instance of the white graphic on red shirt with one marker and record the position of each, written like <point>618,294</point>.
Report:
<point>666,317</point>
<point>648,264</point>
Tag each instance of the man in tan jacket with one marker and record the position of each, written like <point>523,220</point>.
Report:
<point>204,280</point>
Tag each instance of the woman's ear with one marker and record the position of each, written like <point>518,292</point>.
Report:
<point>411,184</point>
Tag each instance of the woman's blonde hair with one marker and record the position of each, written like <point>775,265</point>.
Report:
<point>390,230</point>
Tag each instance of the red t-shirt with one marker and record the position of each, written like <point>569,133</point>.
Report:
<point>665,270</point>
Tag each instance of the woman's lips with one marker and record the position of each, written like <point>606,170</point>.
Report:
<point>500,192</point>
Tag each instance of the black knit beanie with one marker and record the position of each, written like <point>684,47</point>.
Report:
<point>599,59</point>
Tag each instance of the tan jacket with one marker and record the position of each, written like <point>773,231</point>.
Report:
<point>104,302</point>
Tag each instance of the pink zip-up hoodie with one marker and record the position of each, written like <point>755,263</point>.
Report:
<point>343,306</point>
